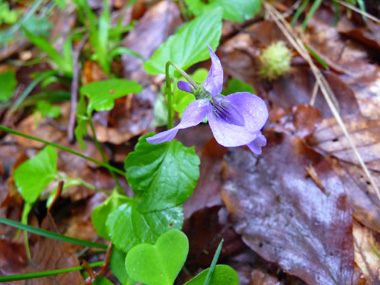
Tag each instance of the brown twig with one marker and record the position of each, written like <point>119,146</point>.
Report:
<point>56,196</point>
<point>74,88</point>
<point>91,274</point>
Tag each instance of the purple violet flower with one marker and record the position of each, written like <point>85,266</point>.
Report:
<point>235,120</point>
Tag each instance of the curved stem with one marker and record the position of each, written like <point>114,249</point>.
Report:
<point>169,89</point>
<point>105,165</point>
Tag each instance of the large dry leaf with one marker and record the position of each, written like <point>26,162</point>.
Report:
<point>285,216</point>
<point>158,23</point>
<point>49,254</point>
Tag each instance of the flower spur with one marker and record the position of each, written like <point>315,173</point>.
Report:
<point>235,120</point>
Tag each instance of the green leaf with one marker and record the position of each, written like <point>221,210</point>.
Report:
<point>102,94</point>
<point>128,227</point>
<point>101,280</point>
<point>100,214</point>
<point>8,16</point>
<point>163,175</point>
<point>237,10</point>
<point>117,265</point>
<point>8,83</point>
<point>223,275</point>
<point>236,85</point>
<point>158,264</point>
<point>189,44</point>
<point>48,110</point>
<point>33,175</point>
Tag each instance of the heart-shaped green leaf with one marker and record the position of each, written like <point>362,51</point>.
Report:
<point>128,227</point>
<point>158,264</point>
<point>223,275</point>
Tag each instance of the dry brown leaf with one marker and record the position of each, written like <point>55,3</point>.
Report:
<point>157,24</point>
<point>365,256</point>
<point>286,217</point>
<point>49,254</point>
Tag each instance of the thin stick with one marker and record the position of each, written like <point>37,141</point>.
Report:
<point>74,88</point>
<point>322,82</point>
<point>109,167</point>
<point>364,13</point>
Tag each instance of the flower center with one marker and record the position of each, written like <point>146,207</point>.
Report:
<point>226,112</point>
<point>201,93</point>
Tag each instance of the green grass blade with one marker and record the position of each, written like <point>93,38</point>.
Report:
<point>299,11</point>
<point>55,56</point>
<point>42,76</point>
<point>313,8</point>
<point>213,263</point>
<point>317,57</point>
<point>362,7</point>
<point>8,130</point>
<point>45,273</point>
<point>123,50</point>
<point>50,234</point>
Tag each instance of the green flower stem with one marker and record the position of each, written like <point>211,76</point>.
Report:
<point>50,234</point>
<point>105,165</point>
<point>45,273</point>
<point>169,90</point>
<point>105,160</point>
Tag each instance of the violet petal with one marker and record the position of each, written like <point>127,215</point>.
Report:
<point>192,116</point>
<point>256,145</point>
<point>251,107</point>
<point>254,112</point>
<point>185,86</point>
<point>214,81</point>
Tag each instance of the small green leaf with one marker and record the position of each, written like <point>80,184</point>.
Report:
<point>117,265</point>
<point>158,264</point>
<point>100,214</point>
<point>189,45</point>
<point>162,175</point>
<point>48,110</point>
<point>8,83</point>
<point>101,280</point>
<point>223,275</point>
<point>102,94</point>
<point>35,174</point>
<point>237,10</point>
<point>128,227</point>
<point>236,85</point>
